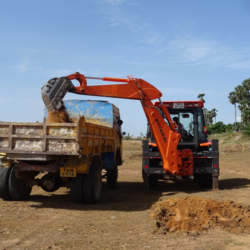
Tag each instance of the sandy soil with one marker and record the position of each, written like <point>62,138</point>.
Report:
<point>122,219</point>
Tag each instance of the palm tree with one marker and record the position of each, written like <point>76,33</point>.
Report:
<point>214,114</point>
<point>233,100</point>
<point>244,108</point>
<point>241,95</point>
<point>246,85</point>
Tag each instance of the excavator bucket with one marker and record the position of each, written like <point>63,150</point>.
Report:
<point>54,91</point>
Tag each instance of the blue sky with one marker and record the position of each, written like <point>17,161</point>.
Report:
<point>182,47</point>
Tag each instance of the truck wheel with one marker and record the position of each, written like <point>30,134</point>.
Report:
<point>4,183</point>
<point>145,182</point>
<point>17,187</point>
<point>76,188</point>
<point>92,185</point>
<point>153,181</point>
<point>112,176</point>
<point>204,180</point>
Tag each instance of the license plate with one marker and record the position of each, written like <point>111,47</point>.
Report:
<point>178,105</point>
<point>68,172</point>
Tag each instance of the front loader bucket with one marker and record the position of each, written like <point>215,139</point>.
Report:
<point>54,91</point>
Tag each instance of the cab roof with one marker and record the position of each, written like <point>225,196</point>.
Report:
<point>186,104</point>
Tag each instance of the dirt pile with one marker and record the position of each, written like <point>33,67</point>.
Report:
<point>59,116</point>
<point>194,215</point>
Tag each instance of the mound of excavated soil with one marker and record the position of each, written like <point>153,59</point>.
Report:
<point>59,116</point>
<point>194,215</point>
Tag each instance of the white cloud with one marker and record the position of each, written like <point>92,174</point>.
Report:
<point>154,39</point>
<point>56,72</point>
<point>23,65</point>
<point>209,53</point>
<point>119,2</point>
<point>115,16</point>
<point>118,17</point>
<point>114,2</point>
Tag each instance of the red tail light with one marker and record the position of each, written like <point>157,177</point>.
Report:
<point>205,130</point>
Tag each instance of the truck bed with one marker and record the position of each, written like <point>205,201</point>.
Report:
<point>40,141</point>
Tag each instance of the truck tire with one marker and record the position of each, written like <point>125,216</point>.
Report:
<point>145,182</point>
<point>17,187</point>
<point>4,183</point>
<point>92,185</point>
<point>204,180</point>
<point>112,176</point>
<point>153,181</point>
<point>76,188</point>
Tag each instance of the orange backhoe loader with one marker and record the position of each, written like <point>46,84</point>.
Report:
<point>175,162</point>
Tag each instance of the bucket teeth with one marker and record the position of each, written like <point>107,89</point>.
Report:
<point>54,91</point>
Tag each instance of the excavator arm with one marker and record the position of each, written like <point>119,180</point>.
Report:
<point>175,162</point>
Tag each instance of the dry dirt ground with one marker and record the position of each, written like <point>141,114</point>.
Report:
<point>122,219</point>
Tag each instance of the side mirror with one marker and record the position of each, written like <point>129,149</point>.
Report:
<point>123,133</point>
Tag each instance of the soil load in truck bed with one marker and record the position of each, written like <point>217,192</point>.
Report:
<point>58,116</point>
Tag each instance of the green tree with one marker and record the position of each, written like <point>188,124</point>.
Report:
<point>214,114</point>
<point>201,97</point>
<point>216,128</point>
<point>241,95</point>
<point>127,137</point>
<point>210,115</point>
<point>233,100</point>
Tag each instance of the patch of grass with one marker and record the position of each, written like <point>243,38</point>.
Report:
<point>239,244</point>
<point>228,241</point>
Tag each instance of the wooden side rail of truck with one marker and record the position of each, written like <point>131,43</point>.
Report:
<point>64,154</point>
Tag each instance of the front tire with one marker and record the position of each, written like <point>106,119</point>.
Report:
<point>92,185</point>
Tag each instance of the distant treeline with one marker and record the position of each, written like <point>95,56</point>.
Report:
<point>220,127</point>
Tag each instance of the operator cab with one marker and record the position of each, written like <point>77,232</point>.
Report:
<point>190,115</point>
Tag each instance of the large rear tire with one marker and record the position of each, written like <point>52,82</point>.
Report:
<point>112,176</point>
<point>153,181</point>
<point>204,180</point>
<point>76,188</point>
<point>92,185</point>
<point>17,187</point>
<point>4,183</point>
